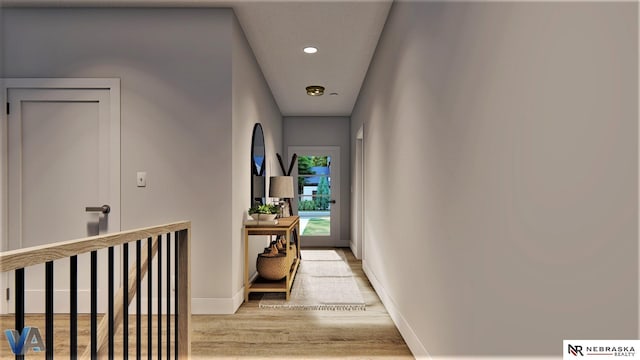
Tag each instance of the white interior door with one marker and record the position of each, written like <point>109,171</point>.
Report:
<point>317,183</point>
<point>63,156</point>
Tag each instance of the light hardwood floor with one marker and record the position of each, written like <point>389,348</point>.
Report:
<point>254,333</point>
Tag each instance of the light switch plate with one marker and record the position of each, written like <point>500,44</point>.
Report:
<point>141,178</point>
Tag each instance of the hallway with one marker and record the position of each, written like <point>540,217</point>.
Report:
<point>254,333</point>
<point>260,333</point>
<point>488,164</point>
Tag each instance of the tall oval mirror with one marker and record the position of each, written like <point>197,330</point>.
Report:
<point>258,170</point>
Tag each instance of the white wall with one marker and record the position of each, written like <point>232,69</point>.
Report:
<point>178,117</point>
<point>501,175</point>
<point>252,103</point>
<point>324,131</point>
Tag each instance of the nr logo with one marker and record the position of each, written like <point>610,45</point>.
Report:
<point>575,350</point>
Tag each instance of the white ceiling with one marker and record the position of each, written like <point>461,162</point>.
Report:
<point>345,32</point>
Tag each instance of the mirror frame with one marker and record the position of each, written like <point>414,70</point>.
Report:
<point>257,131</point>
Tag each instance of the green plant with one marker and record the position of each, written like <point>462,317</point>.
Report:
<point>264,209</point>
<point>323,192</point>
<point>307,205</point>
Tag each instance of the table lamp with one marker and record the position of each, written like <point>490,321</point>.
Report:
<point>281,187</point>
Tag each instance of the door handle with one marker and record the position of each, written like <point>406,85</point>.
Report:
<point>105,209</point>
<point>332,201</point>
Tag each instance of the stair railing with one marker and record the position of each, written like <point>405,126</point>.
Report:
<point>102,335</point>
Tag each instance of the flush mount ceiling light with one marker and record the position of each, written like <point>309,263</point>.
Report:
<point>315,90</point>
<point>310,50</point>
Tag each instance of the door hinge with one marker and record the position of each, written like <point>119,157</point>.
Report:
<point>8,109</point>
<point>8,292</point>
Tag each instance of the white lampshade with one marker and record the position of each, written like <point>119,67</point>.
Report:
<point>281,187</point>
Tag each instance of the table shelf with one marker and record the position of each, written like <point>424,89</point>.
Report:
<point>260,284</point>
<point>287,227</point>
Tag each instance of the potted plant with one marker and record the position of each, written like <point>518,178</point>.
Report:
<point>264,211</point>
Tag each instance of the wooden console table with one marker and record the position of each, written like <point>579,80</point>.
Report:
<point>285,226</point>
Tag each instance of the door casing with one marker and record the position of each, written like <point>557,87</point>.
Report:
<point>357,238</point>
<point>335,238</point>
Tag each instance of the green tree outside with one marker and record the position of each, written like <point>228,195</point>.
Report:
<point>320,160</point>
<point>305,163</point>
<point>322,200</point>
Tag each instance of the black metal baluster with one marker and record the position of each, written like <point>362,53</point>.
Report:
<point>149,298</point>
<point>73,308</point>
<point>169,296</point>
<point>138,301</point>
<point>94,305</point>
<point>19,316</point>
<point>159,296</point>
<point>48,323</point>
<point>125,300</point>
<point>111,304</point>
<point>177,286</point>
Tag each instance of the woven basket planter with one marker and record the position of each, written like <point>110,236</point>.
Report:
<point>273,267</point>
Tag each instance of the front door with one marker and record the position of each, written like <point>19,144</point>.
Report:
<point>317,178</point>
<point>63,156</point>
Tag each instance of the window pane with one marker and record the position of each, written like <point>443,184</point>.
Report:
<point>314,195</point>
<point>316,190</point>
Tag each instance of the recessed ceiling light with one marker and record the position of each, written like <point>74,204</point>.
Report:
<point>315,90</point>
<point>310,50</point>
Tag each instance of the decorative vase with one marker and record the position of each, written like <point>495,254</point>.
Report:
<point>264,217</point>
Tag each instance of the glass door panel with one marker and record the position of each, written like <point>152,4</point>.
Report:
<point>317,194</point>
<point>314,194</point>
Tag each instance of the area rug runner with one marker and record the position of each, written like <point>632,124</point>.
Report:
<point>322,255</point>
<point>324,282</point>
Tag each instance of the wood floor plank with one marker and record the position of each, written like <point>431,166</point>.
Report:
<point>254,333</point>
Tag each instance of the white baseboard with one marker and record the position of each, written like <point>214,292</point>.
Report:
<point>354,250</point>
<point>217,306</point>
<point>413,342</point>
<point>209,306</point>
<point>238,299</point>
<point>154,305</point>
<point>35,301</point>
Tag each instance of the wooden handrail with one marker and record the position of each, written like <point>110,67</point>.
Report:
<point>21,258</point>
